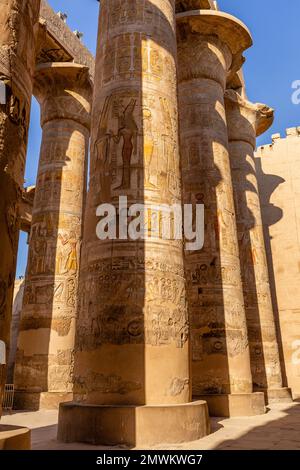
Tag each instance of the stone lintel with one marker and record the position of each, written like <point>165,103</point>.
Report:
<point>68,44</point>
<point>63,70</point>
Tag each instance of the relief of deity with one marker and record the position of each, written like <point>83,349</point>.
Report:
<point>126,134</point>
<point>66,254</point>
<point>127,131</point>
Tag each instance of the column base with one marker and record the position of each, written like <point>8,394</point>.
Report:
<point>278,395</point>
<point>34,401</point>
<point>133,425</point>
<point>14,438</point>
<point>235,405</point>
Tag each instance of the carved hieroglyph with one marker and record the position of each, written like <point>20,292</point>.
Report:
<point>132,333</point>
<point>220,349</point>
<point>245,122</point>
<point>18,23</point>
<point>46,341</point>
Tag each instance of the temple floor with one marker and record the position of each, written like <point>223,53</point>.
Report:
<point>278,429</point>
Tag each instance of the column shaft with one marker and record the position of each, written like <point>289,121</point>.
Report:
<point>245,120</point>
<point>44,365</point>
<point>18,28</point>
<point>220,349</point>
<point>132,334</point>
<point>126,310</point>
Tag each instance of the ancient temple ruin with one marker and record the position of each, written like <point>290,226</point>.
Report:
<point>145,337</point>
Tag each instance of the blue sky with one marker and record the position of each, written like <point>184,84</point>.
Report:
<point>273,63</point>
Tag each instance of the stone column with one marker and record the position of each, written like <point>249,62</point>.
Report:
<point>210,45</point>
<point>44,365</point>
<point>132,360</point>
<point>18,28</point>
<point>245,122</point>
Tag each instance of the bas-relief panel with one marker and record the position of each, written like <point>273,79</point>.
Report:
<point>135,148</point>
<point>135,56</point>
<point>53,265</point>
<point>69,197</point>
<point>49,243</point>
<point>119,315</point>
<point>104,384</point>
<point>139,13</point>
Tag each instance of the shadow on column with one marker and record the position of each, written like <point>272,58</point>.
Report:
<point>221,364</point>
<point>45,348</point>
<point>242,173</point>
<point>271,215</point>
<point>131,363</point>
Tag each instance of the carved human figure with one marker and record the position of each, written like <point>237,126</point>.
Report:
<point>50,305</point>
<point>124,330</point>
<point>127,131</point>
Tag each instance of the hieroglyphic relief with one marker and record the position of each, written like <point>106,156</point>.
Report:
<point>132,151</point>
<point>116,323</point>
<point>244,119</point>
<point>128,298</point>
<point>48,243</point>
<point>214,288</point>
<point>50,297</point>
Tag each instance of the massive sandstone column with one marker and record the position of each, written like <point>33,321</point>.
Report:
<point>245,122</point>
<point>210,45</point>
<point>18,23</point>
<point>133,332</point>
<point>44,365</point>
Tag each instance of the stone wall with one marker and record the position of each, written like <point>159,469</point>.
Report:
<point>278,167</point>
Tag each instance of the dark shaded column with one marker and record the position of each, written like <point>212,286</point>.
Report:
<point>245,122</point>
<point>210,46</point>
<point>132,360</point>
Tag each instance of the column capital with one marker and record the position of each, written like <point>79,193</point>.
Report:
<point>246,120</point>
<point>64,91</point>
<point>225,31</point>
